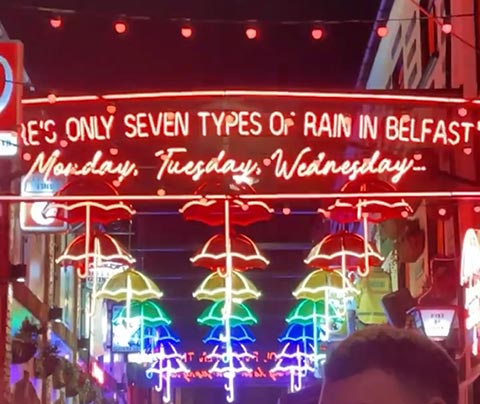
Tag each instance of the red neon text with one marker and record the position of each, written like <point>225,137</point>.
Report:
<point>427,130</point>
<point>335,125</point>
<point>52,166</point>
<point>174,162</point>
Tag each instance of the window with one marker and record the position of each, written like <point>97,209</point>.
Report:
<point>398,74</point>
<point>396,42</point>
<point>412,77</point>
<point>411,26</point>
<point>429,33</point>
<point>411,52</point>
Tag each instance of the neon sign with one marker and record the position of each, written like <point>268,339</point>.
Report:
<point>272,136</point>
<point>470,280</point>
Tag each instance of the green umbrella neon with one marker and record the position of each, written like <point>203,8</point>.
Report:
<point>213,316</point>
<point>307,311</point>
<point>149,313</point>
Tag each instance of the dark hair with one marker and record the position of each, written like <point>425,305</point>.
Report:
<point>411,357</point>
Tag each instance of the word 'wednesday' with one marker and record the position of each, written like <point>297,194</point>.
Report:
<point>175,162</point>
<point>146,125</point>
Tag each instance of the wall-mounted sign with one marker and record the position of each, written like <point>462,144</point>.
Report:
<point>32,218</point>
<point>97,275</point>
<point>470,280</point>
<point>9,143</point>
<point>435,322</point>
<point>280,140</point>
<point>11,85</point>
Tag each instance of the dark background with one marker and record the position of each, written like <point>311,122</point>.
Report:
<point>86,56</point>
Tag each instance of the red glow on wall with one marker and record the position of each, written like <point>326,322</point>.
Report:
<point>98,374</point>
<point>317,33</point>
<point>382,31</point>
<point>186,32</point>
<point>56,22</point>
<point>251,33</point>
<point>120,27</point>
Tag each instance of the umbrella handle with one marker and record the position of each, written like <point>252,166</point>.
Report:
<point>365,247</point>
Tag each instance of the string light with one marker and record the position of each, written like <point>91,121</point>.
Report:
<point>186,32</point>
<point>251,33</point>
<point>447,27</point>
<point>56,22</point>
<point>120,27</point>
<point>382,31</point>
<point>317,33</point>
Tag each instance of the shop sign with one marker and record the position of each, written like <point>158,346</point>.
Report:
<point>470,280</point>
<point>32,218</point>
<point>11,85</point>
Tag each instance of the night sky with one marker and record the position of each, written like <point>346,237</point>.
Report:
<point>86,56</point>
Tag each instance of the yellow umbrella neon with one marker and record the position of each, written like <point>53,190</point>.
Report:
<point>213,288</point>
<point>319,283</point>
<point>129,285</point>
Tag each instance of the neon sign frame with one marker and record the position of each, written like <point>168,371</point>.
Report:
<point>307,163</point>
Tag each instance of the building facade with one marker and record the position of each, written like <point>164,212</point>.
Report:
<point>431,46</point>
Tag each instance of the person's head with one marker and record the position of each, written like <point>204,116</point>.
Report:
<point>383,364</point>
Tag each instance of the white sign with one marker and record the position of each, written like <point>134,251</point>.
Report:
<point>437,322</point>
<point>101,273</point>
<point>470,280</point>
<point>8,144</point>
<point>32,218</point>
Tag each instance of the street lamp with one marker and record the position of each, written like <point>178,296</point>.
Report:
<point>434,321</point>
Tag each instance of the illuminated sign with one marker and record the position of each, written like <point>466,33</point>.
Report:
<point>436,322</point>
<point>171,140</point>
<point>32,218</point>
<point>470,280</point>
<point>199,364</point>
<point>8,144</point>
<point>11,85</point>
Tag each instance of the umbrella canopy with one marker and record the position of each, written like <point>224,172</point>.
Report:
<point>102,248</point>
<point>307,311</point>
<point>342,248</point>
<point>212,212</point>
<point>321,282</point>
<point>212,316</point>
<point>100,212</point>
<point>245,254</point>
<point>239,334</point>
<point>299,333</point>
<point>376,210</point>
<point>213,288</point>
<point>164,334</point>
<point>149,313</point>
<point>129,284</point>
